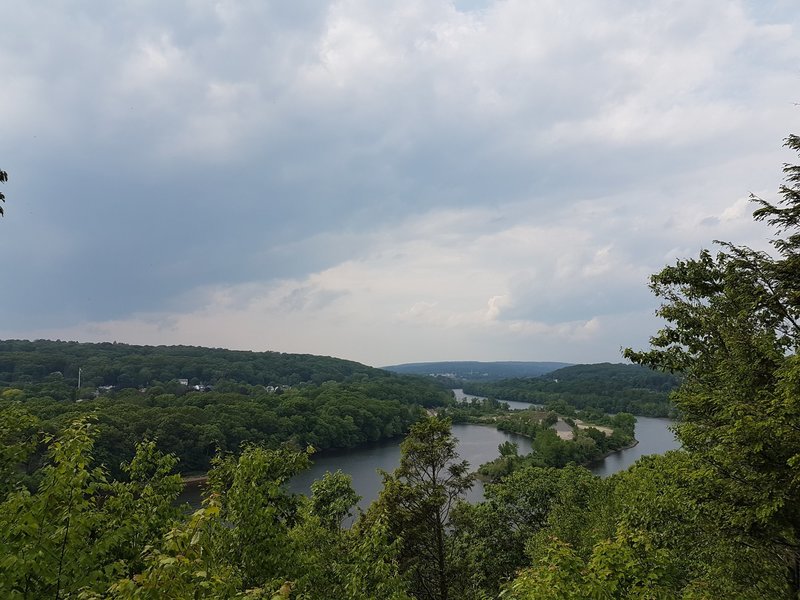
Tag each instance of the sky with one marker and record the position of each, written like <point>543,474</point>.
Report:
<point>384,181</point>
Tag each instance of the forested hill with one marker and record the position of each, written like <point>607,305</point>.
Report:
<point>612,376</point>
<point>479,371</point>
<point>607,387</point>
<point>125,365</point>
<point>198,401</point>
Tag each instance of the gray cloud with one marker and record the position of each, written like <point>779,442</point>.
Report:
<point>157,150</point>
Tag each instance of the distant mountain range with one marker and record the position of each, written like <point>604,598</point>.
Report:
<point>476,370</point>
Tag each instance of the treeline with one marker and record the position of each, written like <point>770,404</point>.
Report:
<point>194,426</point>
<point>477,370</point>
<point>606,387</point>
<point>125,365</point>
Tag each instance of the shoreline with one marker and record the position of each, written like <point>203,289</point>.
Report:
<point>200,479</point>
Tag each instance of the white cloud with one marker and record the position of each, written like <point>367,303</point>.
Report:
<point>392,181</point>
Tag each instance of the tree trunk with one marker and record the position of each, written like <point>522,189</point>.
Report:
<point>441,567</point>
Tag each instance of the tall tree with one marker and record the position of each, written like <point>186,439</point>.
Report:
<point>732,330</point>
<point>417,500</point>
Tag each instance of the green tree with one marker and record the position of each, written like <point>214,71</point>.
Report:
<point>508,448</point>
<point>732,332</point>
<point>359,563</point>
<point>417,500</point>
<point>627,567</point>
<point>19,437</point>
<point>333,498</point>
<point>496,538</point>
<point>76,532</point>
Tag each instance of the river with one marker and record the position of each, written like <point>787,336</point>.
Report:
<point>512,404</point>
<point>477,444</point>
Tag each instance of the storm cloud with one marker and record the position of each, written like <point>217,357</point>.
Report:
<point>382,181</point>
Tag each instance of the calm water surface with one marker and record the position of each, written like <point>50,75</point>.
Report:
<point>477,444</point>
<point>512,404</point>
<point>654,437</point>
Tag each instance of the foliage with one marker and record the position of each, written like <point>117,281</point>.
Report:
<point>77,531</point>
<point>125,365</point>
<point>627,567</point>
<point>492,540</point>
<point>732,330</point>
<point>605,387</point>
<point>80,535</point>
<point>19,439</point>
<point>417,500</point>
<point>195,424</point>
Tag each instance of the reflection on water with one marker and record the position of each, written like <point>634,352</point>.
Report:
<point>477,445</point>
<point>512,404</point>
<point>654,437</point>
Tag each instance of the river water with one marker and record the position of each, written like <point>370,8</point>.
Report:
<point>512,404</point>
<point>477,444</point>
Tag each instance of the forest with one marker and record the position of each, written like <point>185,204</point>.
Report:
<point>718,519</point>
<point>459,371</point>
<point>606,387</point>
<point>194,426</point>
<point>125,365</point>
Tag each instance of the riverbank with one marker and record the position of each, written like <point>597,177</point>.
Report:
<point>477,445</point>
<point>559,441</point>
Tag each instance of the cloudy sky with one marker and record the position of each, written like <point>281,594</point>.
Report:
<point>386,181</point>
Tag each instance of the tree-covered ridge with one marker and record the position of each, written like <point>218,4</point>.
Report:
<point>606,387</point>
<point>126,365</point>
<point>195,425</point>
<point>477,370</point>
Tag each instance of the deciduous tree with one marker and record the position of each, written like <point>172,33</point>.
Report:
<point>732,329</point>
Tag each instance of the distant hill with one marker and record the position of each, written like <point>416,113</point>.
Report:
<point>608,387</point>
<point>613,376</point>
<point>478,371</point>
<point>126,365</point>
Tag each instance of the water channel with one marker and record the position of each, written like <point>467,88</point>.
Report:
<point>477,444</point>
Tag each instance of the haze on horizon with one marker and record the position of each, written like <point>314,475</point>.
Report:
<point>385,182</point>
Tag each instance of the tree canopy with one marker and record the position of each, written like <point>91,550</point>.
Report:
<point>732,331</point>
